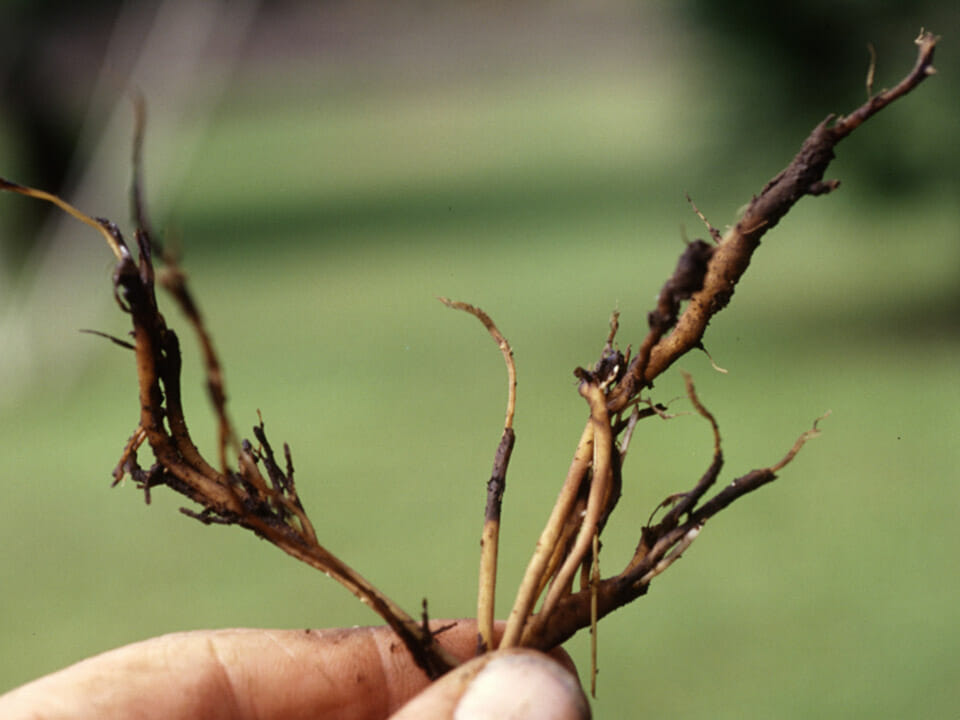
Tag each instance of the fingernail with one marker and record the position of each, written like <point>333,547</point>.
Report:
<point>523,687</point>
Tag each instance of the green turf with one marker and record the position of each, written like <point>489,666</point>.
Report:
<point>829,594</point>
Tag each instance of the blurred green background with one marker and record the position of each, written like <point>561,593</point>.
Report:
<point>329,168</point>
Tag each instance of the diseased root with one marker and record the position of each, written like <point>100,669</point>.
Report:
<point>261,496</point>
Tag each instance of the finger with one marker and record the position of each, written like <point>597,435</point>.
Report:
<point>359,673</point>
<point>512,684</point>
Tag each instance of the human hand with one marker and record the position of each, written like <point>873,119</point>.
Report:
<point>361,673</point>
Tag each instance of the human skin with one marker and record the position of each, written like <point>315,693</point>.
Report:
<point>336,674</point>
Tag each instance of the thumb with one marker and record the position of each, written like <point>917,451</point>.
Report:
<point>512,684</point>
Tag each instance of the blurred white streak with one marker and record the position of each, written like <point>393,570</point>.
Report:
<point>179,55</point>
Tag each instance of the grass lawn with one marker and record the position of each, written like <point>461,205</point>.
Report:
<point>317,238</point>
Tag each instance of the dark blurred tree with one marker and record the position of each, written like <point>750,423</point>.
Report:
<point>50,51</point>
<point>782,63</point>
